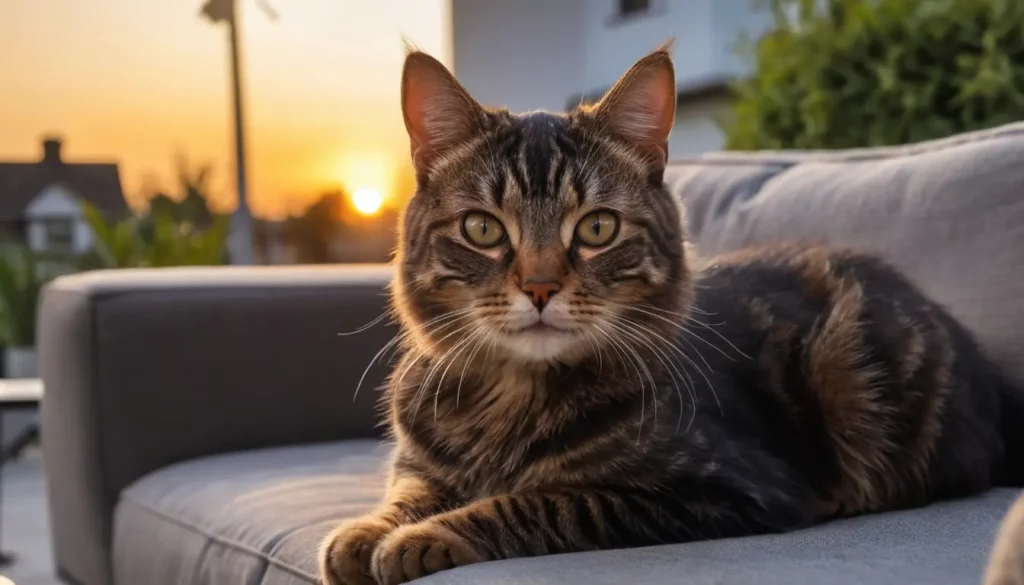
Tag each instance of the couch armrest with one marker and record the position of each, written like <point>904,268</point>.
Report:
<point>145,368</point>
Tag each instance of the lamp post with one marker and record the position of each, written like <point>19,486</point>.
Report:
<point>240,239</point>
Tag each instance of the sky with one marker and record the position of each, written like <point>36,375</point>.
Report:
<point>142,81</point>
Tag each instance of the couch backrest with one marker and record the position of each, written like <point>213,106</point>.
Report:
<point>949,213</point>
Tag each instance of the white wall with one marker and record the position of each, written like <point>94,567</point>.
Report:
<point>733,19</point>
<point>696,129</point>
<point>537,54</point>
<point>613,45</point>
<point>56,202</point>
<point>523,54</point>
<point>705,33</point>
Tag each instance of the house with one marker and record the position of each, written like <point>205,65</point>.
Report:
<point>40,200</point>
<point>552,54</point>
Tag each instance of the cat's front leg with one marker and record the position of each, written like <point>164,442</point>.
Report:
<point>346,553</point>
<point>576,519</point>
<point>520,525</point>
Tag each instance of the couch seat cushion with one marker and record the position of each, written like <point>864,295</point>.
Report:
<point>246,518</point>
<point>257,518</point>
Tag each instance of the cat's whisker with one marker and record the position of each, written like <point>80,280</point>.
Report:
<point>469,359</point>
<point>597,350</point>
<point>644,334</point>
<point>684,356</point>
<point>432,369</point>
<point>464,343</point>
<point>645,343</point>
<point>674,369</point>
<point>638,365</point>
<point>367,326</point>
<point>684,329</point>
<point>438,361</point>
<point>693,308</point>
<point>694,320</point>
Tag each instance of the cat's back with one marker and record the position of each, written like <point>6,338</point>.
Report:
<point>870,388</point>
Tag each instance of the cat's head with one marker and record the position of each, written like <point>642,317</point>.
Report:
<point>541,237</point>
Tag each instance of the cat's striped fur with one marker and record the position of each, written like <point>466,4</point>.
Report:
<point>637,398</point>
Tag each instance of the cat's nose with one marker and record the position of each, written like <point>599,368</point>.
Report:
<point>540,291</point>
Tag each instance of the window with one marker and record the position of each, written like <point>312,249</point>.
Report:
<point>58,233</point>
<point>629,8</point>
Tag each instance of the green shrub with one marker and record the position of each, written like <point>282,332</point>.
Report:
<point>154,240</point>
<point>20,284</point>
<point>851,73</point>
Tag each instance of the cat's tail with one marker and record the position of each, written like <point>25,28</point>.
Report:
<point>1012,431</point>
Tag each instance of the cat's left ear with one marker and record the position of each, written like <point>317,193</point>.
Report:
<point>439,113</point>
<point>641,107</point>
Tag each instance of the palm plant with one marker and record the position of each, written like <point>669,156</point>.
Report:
<point>20,285</point>
<point>156,240</point>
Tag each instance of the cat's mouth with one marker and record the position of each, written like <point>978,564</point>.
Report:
<point>540,327</point>
<point>542,342</point>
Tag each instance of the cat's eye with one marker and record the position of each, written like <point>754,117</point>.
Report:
<point>597,229</point>
<point>483,229</point>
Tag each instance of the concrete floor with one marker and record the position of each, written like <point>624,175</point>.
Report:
<point>25,526</point>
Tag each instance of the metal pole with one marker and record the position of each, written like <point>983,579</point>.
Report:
<point>240,238</point>
<point>6,558</point>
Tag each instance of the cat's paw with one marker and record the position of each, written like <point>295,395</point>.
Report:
<point>417,550</point>
<point>346,553</point>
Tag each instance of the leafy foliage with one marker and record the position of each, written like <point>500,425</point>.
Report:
<point>853,73</point>
<point>176,231</point>
<point>190,207</point>
<point>20,285</point>
<point>156,240</point>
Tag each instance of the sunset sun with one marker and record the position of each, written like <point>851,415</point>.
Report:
<point>367,200</point>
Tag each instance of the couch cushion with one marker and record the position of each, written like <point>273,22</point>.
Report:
<point>257,518</point>
<point>247,518</point>
<point>949,213</point>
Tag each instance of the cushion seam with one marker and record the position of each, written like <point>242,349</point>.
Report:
<point>222,540</point>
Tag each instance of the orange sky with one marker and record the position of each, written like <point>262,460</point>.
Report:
<point>139,80</point>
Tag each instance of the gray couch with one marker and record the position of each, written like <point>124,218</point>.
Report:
<point>199,425</point>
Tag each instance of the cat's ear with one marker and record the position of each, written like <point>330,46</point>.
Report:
<point>640,108</point>
<point>439,113</point>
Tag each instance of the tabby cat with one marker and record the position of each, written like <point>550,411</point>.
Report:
<point>573,380</point>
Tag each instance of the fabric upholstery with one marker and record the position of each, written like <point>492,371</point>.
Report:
<point>948,213</point>
<point>258,517</point>
<point>253,517</point>
<point>145,368</point>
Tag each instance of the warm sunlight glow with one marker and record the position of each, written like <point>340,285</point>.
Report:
<point>367,201</point>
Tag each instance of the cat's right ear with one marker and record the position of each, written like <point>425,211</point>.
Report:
<point>439,113</point>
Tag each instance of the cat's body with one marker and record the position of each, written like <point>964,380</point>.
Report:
<point>572,382</point>
<point>807,384</point>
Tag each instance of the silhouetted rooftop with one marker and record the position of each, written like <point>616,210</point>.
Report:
<point>21,182</point>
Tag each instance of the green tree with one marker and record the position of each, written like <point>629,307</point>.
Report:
<point>853,73</point>
<point>190,205</point>
<point>311,235</point>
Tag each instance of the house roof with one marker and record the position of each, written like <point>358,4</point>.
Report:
<point>21,182</point>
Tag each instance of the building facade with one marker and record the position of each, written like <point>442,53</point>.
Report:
<point>550,54</point>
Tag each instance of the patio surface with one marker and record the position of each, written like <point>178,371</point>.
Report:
<point>25,525</point>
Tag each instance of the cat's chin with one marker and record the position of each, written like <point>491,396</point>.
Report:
<point>544,344</point>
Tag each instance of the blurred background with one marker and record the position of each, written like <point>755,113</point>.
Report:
<point>152,133</point>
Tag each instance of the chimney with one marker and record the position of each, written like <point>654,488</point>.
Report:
<point>51,150</point>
